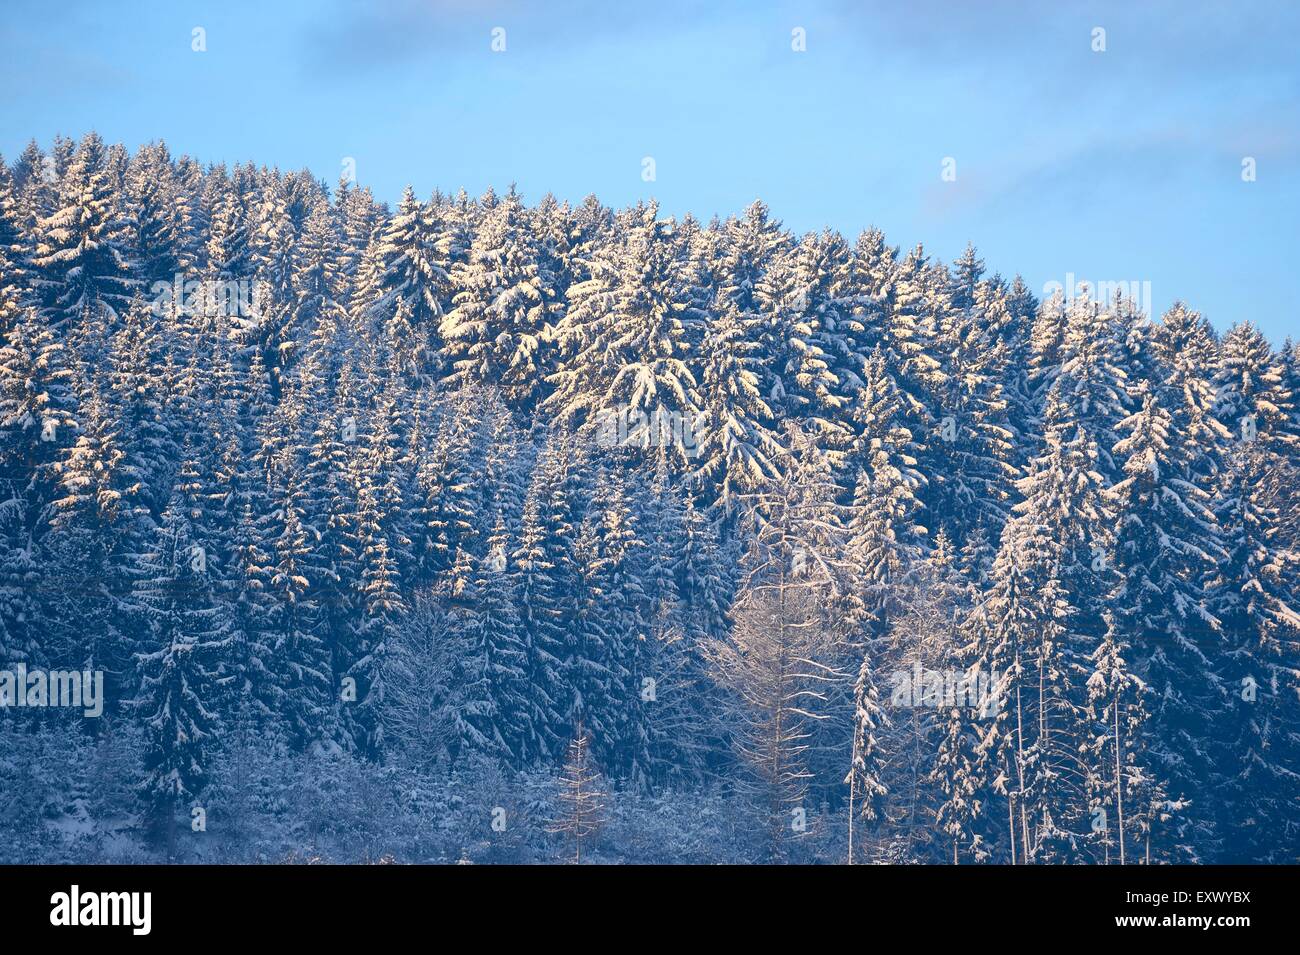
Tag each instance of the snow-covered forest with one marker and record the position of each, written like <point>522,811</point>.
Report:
<point>487,531</point>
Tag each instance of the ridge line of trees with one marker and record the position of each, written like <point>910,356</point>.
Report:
<point>285,463</point>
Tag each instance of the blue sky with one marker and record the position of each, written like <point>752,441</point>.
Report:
<point>1124,165</point>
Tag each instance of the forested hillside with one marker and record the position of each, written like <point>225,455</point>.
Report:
<point>478,530</point>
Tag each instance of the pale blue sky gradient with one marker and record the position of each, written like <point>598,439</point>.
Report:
<point>1114,166</point>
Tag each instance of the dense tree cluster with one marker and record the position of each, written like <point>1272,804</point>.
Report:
<point>460,483</point>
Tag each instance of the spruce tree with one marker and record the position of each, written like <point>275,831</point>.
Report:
<point>1255,592</point>
<point>1167,538</point>
<point>412,279</point>
<point>84,274</point>
<point>495,333</point>
<point>626,332</point>
<point>186,636</point>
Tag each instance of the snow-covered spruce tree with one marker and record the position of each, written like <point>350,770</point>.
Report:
<point>971,457</point>
<point>595,681</point>
<point>748,279</point>
<point>800,385</point>
<point>1064,495</point>
<point>423,707</point>
<point>1004,314</point>
<point>706,576</point>
<point>449,476</point>
<point>493,690</point>
<point>330,502</point>
<point>268,323</point>
<point>1125,798</point>
<point>357,217</point>
<point>36,425</point>
<point>555,231</point>
<point>832,359</point>
<point>1020,629</point>
<point>1093,386</point>
<point>494,334</point>
<point>1185,354</point>
<point>544,580</point>
<point>300,661</point>
<point>1138,335</point>
<point>34,175</point>
<point>866,789</point>
<point>382,549</point>
<point>627,340</point>
<point>190,218</point>
<point>916,300</point>
<point>701,273</point>
<point>256,689</point>
<point>670,681</point>
<point>158,224</point>
<point>1167,538</point>
<point>199,499</point>
<point>872,268</point>
<point>958,776</point>
<point>97,525</point>
<point>461,216</point>
<point>1255,593</point>
<point>885,540</point>
<point>738,448</point>
<point>381,607</point>
<point>187,634</point>
<point>1047,342</point>
<point>879,417</point>
<point>317,284</point>
<point>82,272</point>
<point>508,458</point>
<point>1253,400</point>
<point>137,388</point>
<point>1257,401</point>
<point>37,407</point>
<point>631,630</point>
<point>1010,310</point>
<point>15,255</point>
<point>413,283</point>
<point>751,244</point>
<point>225,202</point>
<point>884,546</point>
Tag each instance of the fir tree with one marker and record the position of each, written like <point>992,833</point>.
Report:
<point>495,332</point>
<point>1167,538</point>
<point>865,786</point>
<point>1255,591</point>
<point>413,282</point>
<point>738,450</point>
<point>84,274</point>
<point>1123,793</point>
<point>181,677</point>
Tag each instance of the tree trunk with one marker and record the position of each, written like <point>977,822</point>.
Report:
<point>1119,786</point>
<point>1020,770</point>
<point>852,790</point>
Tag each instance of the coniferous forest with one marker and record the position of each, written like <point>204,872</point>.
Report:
<point>475,530</point>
